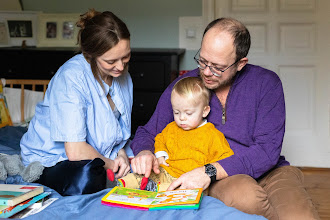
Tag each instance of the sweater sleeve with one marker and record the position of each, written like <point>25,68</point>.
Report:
<point>268,131</point>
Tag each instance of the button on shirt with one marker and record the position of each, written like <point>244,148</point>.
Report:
<point>76,109</point>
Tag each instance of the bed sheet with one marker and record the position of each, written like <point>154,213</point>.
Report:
<point>90,207</point>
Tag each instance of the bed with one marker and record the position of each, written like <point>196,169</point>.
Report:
<point>89,206</point>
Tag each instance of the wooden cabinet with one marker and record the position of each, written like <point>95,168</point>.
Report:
<point>32,63</point>
<point>152,70</point>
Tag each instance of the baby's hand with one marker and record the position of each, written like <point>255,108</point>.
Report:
<point>161,160</point>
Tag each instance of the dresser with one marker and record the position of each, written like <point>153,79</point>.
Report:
<point>152,70</point>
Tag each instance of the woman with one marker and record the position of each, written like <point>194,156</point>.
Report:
<point>86,111</point>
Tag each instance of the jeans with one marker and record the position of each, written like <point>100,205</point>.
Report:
<point>278,195</point>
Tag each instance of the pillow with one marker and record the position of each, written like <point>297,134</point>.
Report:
<point>13,98</point>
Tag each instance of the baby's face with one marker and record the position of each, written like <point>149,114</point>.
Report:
<point>187,113</point>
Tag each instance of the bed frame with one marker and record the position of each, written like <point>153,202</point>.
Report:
<point>13,83</point>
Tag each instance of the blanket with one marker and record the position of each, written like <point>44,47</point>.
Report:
<point>90,207</point>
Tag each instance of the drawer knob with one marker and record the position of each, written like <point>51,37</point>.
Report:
<point>141,105</point>
<point>141,75</point>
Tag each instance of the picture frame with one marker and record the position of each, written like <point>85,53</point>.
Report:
<point>18,28</point>
<point>57,30</point>
<point>4,37</point>
<point>4,114</point>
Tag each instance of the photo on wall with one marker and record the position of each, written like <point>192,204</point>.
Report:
<point>68,30</point>
<point>51,29</point>
<point>20,28</point>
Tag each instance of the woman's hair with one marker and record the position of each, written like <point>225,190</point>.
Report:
<point>192,88</point>
<point>99,32</point>
<point>241,35</point>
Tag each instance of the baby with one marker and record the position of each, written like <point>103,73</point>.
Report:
<point>186,143</point>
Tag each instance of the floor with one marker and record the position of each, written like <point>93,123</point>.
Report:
<point>317,183</point>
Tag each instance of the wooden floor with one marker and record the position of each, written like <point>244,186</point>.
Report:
<point>317,183</point>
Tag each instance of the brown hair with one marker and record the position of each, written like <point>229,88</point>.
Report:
<point>99,32</point>
<point>241,35</point>
<point>192,88</point>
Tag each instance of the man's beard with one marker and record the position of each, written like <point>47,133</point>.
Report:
<point>218,84</point>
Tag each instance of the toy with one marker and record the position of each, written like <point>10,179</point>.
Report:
<point>12,165</point>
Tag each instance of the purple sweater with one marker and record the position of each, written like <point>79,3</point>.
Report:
<point>254,126</point>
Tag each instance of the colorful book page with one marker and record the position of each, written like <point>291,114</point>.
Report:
<point>177,197</point>
<point>131,197</point>
<point>188,206</point>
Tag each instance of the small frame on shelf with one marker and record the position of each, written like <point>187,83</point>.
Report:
<point>57,30</point>
<point>18,28</point>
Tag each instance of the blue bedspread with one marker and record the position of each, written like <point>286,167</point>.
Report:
<point>90,207</point>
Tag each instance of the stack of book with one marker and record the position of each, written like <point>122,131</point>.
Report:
<point>146,200</point>
<point>14,198</point>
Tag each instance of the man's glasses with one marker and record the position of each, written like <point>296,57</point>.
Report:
<point>214,70</point>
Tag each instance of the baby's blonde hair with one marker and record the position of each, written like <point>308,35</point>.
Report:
<point>193,89</point>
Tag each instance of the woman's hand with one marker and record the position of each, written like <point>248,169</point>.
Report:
<point>121,164</point>
<point>144,162</point>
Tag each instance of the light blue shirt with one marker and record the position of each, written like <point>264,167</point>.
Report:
<point>75,108</point>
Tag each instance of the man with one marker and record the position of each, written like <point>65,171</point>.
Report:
<point>247,105</point>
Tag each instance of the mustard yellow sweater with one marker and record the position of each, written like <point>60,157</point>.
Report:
<point>188,150</point>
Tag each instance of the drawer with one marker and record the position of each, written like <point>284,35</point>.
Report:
<point>144,105</point>
<point>148,75</point>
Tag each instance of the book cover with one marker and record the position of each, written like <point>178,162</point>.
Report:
<point>12,194</point>
<point>145,200</point>
<point>11,210</point>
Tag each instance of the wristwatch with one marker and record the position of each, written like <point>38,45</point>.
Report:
<point>211,171</point>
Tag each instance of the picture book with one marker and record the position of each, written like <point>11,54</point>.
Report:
<point>12,194</point>
<point>146,200</point>
<point>11,210</point>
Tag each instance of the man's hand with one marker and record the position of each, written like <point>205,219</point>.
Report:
<point>144,162</point>
<point>197,178</point>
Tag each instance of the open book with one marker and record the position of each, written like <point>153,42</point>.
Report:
<point>146,200</point>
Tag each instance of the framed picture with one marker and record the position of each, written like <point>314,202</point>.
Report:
<point>4,38</point>
<point>18,28</point>
<point>4,114</point>
<point>57,30</point>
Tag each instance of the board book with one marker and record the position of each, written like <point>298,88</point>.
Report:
<point>12,194</point>
<point>146,200</point>
<point>11,210</point>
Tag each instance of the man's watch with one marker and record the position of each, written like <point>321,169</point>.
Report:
<point>211,171</point>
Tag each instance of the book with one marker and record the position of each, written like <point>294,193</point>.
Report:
<point>31,210</point>
<point>146,200</point>
<point>11,210</point>
<point>12,194</point>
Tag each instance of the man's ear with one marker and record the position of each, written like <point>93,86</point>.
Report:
<point>242,63</point>
<point>206,111</point>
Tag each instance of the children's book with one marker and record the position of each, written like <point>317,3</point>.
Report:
<point>33,209</point>
<point>12,194</point>
<point>146,200</point>
<point>11,210</point>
